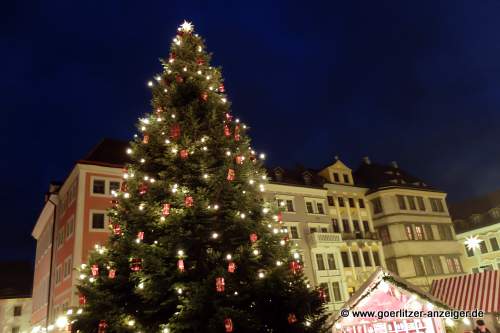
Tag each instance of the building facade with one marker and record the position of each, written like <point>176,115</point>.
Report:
<point>479,218</point>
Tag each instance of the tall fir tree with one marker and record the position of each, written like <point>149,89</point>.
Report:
<point>193,245</point>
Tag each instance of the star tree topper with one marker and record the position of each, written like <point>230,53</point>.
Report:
<point>186,27</point>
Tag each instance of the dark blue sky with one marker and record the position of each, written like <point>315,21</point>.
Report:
<point>412,81</point>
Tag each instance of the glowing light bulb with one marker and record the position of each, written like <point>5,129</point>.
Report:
<point>242,215</point>
<point>150,83</point>
<point>261,275</point>
<point>215,235</point>
<point>179,291</point>
<point>262,156</point>
<point>256,252</point>
<point>229,257</point>
<point>141,285</point>
<point>129,151</point>
<point>180,253</point>
<point>131,322</point>
<point>143,161</point>
<point>279,263</point>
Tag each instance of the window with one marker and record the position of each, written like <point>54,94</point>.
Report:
<point>366,226</point>
<point>355,223</point>
<point>67,267</point>
<point>330,200</point>
<point>336,292</point>
<point>18,309</point>
<point>438,267</point>
<point>324,230</point>
<point>482,247</point>
<point>428,232</point>
<point>289,206</point>
<point>366,259</point>
<point>341,201</point>
<point>494,244</point>
<point>331,261</point>
<point>457,265</point>
<point>361,203</point>
<point>384,235</point>
<point>345,259</point>
<point>420,202</point>
<point>58,274</point>
<point>294,232</point>
<point>419,232</point>
<point>346,178</point>
<point>419,267</point>
<point>114,186</point>
<point>336,177</point>
<point>376,258</point>
<point>320,262</point>
<point>377,206</point>
<point>309,207</point>
<point>355,259</point>
<point>351,202</point>
<point>321,210</point>
<point>392,266</point>
<point>98,221</point>
<point>411,202</point>
<point>345,225</point>
<point>15,329</point>
<point>326,292</point>
<point>436,204</point>
<point>335,225</point>
<point>445,232</point>
<point>453,264</point>
<point>429,267</point>
<point>401,202</point>
<point>70,227</point>
<point>409,232</point>
<point>470,252</point>
<point>99,186</point>
<point>313,230</point>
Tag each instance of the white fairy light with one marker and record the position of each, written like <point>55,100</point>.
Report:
<point>150,83</point>
<point>228,153</point>
<point>279,263</point>
<point>296,255</point>
<point>282,242</point>
<point>79,311</point>
<point>215,235</point>
<point>242,215</point>
<point>180,253</point>
<point>126,195</point>
<point>223,100</point>
<point>142,160</point>
<point>129,151</point>
<point>251,181</point>
<point>262,156</point>
<point>179,291</point>
<point>229,257</point>
<point>256,252</point>
<point>141,285</point>
<point>158,78</point>
<point>261,275</point>
<point>131,322</point>
<point>265,210</point>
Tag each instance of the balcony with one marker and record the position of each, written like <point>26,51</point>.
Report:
<point>324,238</point>
<point>359,235</point>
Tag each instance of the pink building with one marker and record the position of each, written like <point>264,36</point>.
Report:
<point>73,220</point>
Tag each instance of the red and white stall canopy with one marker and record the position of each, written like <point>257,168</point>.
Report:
<point>468,292</point>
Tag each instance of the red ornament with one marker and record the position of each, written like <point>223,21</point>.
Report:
<point>166,210</point>
<point>124,187</point>
<point>172,56</point>
<point>219,284</point>
<point>143,188</point>
<point>140,235</point>
<point>175,131</point>
<point>200,61</point>
<point>231,267</point>
<point>184,154</point>
<point>136,264</point>
<point>180,265</point>
<point>112,273</point>
<point>82,300</point>
<point>117,230</point>
<point>280,216</point>
<point>253,237</point>
<point>204,96</point>
<point>188,201</point>
<point>95,270</point>
<point>221,87</point>
<point>227,131</point>
<point>228,324</point>
<point>145,139</point>
<point>179,79</point>
<point>239,159</point>
<point>237,133</point>
<point>102,326</point>
<point>292,318</point>
<point>295,266</point>
<point>230,174</point>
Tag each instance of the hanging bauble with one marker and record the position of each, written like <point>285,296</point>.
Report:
<point>165,210</point>
<point>188,201</point>
<point>180,265</point>
<point>200,61</point>
<point>143,188</point>
<point>279,217</point>
<point>220,284</point>
<point>179,78</point>
<point>237,133</point>
<point>114,203</point>
<point>82,300</point>
<point>145,139</point>
<point>238,159</point>
<point>117,229</point>
<point>204,96</point>
<point>172,56</point>
<point>227,131</point>
<point>183,154</point>
<point>175,131</point>
<point>295,266</point>
<point>102,326</point>
<point>230,174</point>
<point>136,264</point>
<point>231,267</point>
<point>95,270</point>
<point>140,235</point>
<point>228,324</point>
<point>253,237</point>
<point>124,187</point>
<point>221,88</point>
<point>292,318</point>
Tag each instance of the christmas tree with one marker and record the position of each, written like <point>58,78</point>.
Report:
<point>193,246</point>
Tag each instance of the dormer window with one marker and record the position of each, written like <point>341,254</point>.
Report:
<point>346,178</point>
<point>307,178</point>
<point>336,177</point>
<point>278,174</point>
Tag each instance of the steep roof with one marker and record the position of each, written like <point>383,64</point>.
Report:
<point>376,176</point>
<point>16,279</point>
<point>462,211</point>
<point>110,152</point>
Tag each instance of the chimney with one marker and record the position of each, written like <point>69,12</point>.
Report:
<point>366,160</point>
<point>394,164</point>
<point>307,177</point>
<point>278,174</point>
<point>53,188</point>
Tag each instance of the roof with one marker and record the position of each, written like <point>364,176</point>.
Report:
<point>110,152</point>
<point>471,291</point>
<point>461,212</point>
<point>298,176</point>
<point>16,279</point>
<point>376,176</point>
